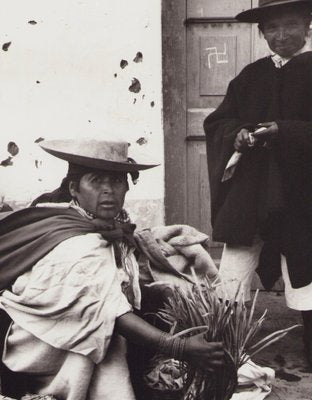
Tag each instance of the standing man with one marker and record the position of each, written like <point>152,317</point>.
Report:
<point>263,212</point>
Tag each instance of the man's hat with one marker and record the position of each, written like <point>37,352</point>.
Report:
<point>255,14</point>
<point>99,154</point>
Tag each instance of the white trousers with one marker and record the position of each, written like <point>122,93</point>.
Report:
<point>237,267</point>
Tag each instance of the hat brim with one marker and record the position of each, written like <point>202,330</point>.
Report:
<point>254,15</point>
<point>104,165</point>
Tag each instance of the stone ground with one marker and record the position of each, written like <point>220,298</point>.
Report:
<point>286,357</point>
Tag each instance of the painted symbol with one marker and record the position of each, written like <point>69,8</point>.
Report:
<point>221,57</point>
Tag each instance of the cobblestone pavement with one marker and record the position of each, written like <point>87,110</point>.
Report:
<point>286,357</point>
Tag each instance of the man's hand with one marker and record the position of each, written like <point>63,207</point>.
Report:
<point>267,134</point>
<point>242,141</point>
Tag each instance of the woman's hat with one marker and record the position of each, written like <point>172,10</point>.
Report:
<point>99,154</point>
<point>255,14</point>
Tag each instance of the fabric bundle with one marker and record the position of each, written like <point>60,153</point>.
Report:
<point>169,253</point>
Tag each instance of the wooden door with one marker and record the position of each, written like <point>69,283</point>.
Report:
<point>204,48</point>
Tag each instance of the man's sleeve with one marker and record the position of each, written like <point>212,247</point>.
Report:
<point>221,128</point>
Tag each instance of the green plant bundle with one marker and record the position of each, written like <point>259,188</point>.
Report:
<point>199,309</point>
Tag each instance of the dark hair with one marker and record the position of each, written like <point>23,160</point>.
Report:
<point>59,195</point>
<point>74,174</point>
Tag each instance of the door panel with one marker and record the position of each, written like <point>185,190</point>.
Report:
<point>199,199</point>
<point>216,52</point>
<point>216,65</point>
<point>216,8</point>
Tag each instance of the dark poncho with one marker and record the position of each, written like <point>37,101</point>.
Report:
<point>271,191</point>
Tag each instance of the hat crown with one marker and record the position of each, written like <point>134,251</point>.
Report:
<point>101,150</point>
<point>96,149</point>
<point>263,3</point>
<point>255,14</point>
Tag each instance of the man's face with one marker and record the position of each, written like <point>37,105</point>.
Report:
<point>285,33</point>
<point>101,193</point>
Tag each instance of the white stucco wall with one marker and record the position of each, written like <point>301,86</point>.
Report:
<point>61,77</point>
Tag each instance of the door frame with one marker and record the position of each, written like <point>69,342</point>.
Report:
<point>173,16</point>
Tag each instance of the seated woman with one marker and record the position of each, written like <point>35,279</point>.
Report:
<point>70,284</point>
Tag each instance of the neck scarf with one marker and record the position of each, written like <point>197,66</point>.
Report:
<point>29,234</point>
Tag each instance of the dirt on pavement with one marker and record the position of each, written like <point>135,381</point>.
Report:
<point>286,357</point>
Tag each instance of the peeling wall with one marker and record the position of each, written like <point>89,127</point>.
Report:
<point>79,68</point>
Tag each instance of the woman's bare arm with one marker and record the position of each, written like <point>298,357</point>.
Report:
<point>197,349</point>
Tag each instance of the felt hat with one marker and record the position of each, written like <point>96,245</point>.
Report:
<point>100,154</point>
<point>255,14</point>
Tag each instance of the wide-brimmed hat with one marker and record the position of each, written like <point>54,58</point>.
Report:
<point>255,14</point>
<point>99,154</point>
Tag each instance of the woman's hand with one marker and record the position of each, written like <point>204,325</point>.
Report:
<point>209,355</point>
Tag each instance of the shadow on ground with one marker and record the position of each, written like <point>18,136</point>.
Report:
<point>286,357</point>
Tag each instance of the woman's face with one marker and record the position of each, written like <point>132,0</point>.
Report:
<point>285,33</point>
<point>101,193</point>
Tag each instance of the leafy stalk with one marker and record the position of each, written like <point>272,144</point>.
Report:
<point>200,309</point>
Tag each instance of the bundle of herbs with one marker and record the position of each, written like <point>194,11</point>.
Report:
<point>200,309</point>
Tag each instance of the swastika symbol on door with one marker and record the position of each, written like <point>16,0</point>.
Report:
<point>221,56</point>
